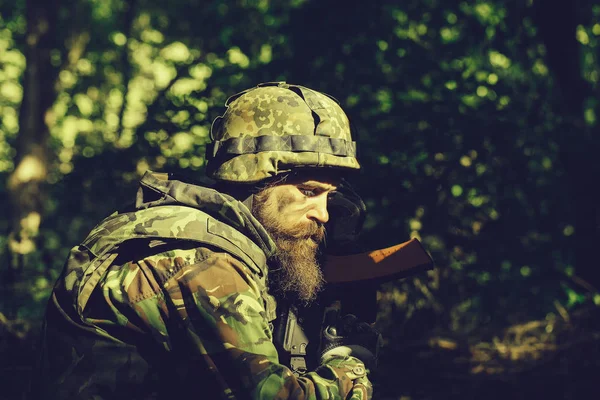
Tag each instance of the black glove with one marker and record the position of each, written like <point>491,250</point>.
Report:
<point>347,214</point>
<point>347,336</point>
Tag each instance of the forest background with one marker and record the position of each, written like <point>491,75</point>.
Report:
<point>477,132</point>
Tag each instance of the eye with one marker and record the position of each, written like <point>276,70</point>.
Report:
<point>307,192</point>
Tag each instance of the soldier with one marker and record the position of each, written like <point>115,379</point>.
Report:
<point>178,294</point>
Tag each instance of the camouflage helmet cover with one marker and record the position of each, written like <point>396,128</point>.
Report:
<point>276,127</point>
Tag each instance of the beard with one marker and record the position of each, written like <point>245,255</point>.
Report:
<point>295,272</point>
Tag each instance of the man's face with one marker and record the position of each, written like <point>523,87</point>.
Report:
<point>294,213</point>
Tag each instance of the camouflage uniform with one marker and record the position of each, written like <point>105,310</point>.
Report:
<point>170,299</point>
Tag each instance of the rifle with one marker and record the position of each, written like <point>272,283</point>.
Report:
<point>352,281</point>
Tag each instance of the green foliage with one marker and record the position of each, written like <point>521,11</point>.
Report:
<point>460,131</point>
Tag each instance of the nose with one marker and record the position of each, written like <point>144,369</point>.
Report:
<point>318,209</point>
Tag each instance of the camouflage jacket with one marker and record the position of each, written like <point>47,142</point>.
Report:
<point>170,299</point>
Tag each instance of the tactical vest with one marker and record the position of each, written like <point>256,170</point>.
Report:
<point>89,262</point>
<point>113,235</point>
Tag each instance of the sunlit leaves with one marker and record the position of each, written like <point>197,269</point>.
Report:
<point>414,96</point>
<point>176,52</point>
<point>104,9</point>
<point>568,230</point>
<point>156,37</point>
<point>237,57</point>
<point>400,16</point>
<point>119,38</point>
<point>487,13</point>
<point>456,190</point>
<point>476,199</point>
<point>582,36</point>
<point>503,101</point>
<point>465,161</point>
<point>471,100</point>
<point>266,54</point>
<point>451,18</point>
<point>384,97</point>
<point>451,85</point>
<point>185,86</point>
<point>10,120</point>
<point>449,35</point>
<point>590,116</point>
<point>540,68</point>
<point>12,66</point>
<point>182,142</point>
<point>499,60</point>
<point>525,271</point>
<point>162,73</point>
<point>11,91</point>
<point>67,79</point>
<point>482,91</point>
<point>84,104</point>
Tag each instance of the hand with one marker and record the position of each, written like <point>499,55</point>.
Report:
<point>347,336</point>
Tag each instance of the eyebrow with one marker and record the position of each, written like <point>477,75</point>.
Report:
<point>318,185</point>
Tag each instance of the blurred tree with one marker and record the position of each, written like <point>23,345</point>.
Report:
<point>564,34</point>
<point>26,182</point>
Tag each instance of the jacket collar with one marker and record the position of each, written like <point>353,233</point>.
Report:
<point>158,189</point>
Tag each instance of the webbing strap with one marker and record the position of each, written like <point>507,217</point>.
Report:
<point>293,143</point>
<point>96,273</point>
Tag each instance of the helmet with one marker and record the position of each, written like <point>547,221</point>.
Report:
<point>276,127</point>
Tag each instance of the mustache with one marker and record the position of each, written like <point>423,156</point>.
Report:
<point>309,230</point>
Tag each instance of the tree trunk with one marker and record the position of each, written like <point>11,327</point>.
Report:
<point>579,142</point>
<point>26,183</point>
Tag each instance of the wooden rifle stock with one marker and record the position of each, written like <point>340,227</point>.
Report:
<point>395,262</point>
